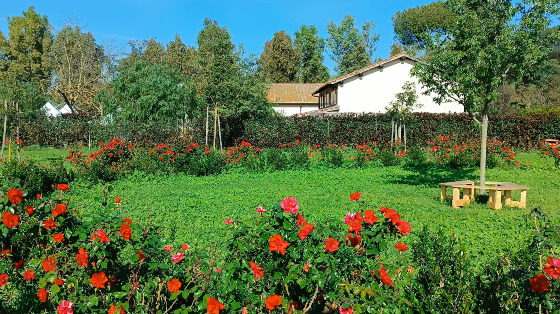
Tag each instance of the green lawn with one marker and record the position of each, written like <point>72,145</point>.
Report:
<point>196,207</point>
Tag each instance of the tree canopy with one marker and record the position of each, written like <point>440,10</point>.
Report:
<point>279,61</point>
<point>310,48</point>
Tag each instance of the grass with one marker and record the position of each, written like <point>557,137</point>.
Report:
<point>193,209</point>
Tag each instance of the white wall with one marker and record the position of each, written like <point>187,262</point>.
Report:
<point>377,87</point>
<point>289,110</point>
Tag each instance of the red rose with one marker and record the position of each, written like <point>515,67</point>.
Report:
<point>277,244</point>
<point>3,279</point>
<point>355,196</point>
<point>59,209</point>
<point>385,278</point>
<point>49,224</point>
<point>125,231</point>
<point>174,285</point>
<point>305,231</point>
<point>356,240</point>
<point>289,205</point>
<point>58,282</point>
<point>28,275</point>
<point>48,264</point>
<point>401,247</point>
<point>19,264</point>
<point>273,301</point>
<point>539,283</point>
<point>331,245</point>
<point>370,217</point>
<point>10,220</point>
<point>300,220</point>
<point>99,280</point>
<point>59,237</point>
<point>15,196</point>
<point>116,310</point>
<point>117,200</point>
<point>30,211</point>
<point>141,256</point>
<point>101,235</point>
<point>257,270</point>
<point>62,187</point>
<point>552,267</point>
<point>354,225</point>
<point>214,306</point>
<point>82,258</point>
<point>404,228</point>
<point>42,294</point>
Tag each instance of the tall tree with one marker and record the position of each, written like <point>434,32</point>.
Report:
<point>412,25</point>
<point>310,48</point>
<point>154,52</point>
<point>349,47</point>
<point>279,60</point>
<point>183,58</point>
<point>77,67</point>
<point>492,42</point>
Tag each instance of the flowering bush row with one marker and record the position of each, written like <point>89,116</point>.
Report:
<point>551,150</point>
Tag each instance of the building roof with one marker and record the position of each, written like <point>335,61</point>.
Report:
<point>367,68</point>
<point>292,93</point>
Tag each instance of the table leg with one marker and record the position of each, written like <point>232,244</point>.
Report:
<point>456,197</point>
<point>523,201</point>
<point>507,197</point>
<point>467,196</point>
<point>442,194</point>
<point>497,199</point>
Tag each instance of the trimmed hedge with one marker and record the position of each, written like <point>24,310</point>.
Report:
<point>521,132</point>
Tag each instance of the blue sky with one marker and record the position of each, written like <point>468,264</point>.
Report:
<point>250,23</point>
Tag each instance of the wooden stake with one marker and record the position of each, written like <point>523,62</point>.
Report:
<point>17,133</point>
<point>5,127</point>
<point>220,132</point>
<point>215,123</point>
<point>404,131</point>
<point>207,126</point>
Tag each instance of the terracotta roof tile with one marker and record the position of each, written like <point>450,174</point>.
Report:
<point>294,93</point>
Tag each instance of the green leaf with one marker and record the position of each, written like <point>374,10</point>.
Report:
<point>185,294</point>
<point>278,275</point>
<point>55,289</point>
<point>174,295</point>
<point>287,225</point>
<point>235,305</point>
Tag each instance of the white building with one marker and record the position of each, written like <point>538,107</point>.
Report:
<point>50,110</point>
<point>372,88</point>
<point>293,98</point>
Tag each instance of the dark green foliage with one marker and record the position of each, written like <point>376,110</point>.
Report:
<point>444,281</point>
<point>33,177</point>
<point>416,156</point>
<point>204,164</point>
<point>388,158</point>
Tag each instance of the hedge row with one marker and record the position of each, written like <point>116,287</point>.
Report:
<point>522,132</point>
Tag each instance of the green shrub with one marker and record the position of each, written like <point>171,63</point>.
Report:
<point>388,158</point>
<point>416,156</point>
<point>34,177</point>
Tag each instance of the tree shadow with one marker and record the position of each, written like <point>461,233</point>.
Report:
<point>432,176</point>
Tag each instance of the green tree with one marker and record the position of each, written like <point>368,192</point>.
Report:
<point>279,60</point>
<point>400,111</point>
<point>492,43</point>
<point>310,48</point>
<point>349,47</point>
<point>77,67</point>
<point>182,58</point>
<point>412,25</point>
<point>154,52</point>
<point>147,93</point>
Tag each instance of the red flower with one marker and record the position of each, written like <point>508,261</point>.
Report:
<point>185,247</point>
<point>289,205</point>
<point>401,247</point>
<point>174,285</point>
<point>125,231</point>
<point>59,209</point>
<point>331,245</point>
<point>28,275</point>
<point>141,256</point>
<point>19,264</point>
<point>214,306</point>
<point>539,283</point>
<point>306,267</point>
<point>300,220</point>
<point>3,279</point>
<point>355,196</point>
<point>30,211</point>
<point>552,267</point>
<point>356,240</point>
<point>273,301</point>
<point>116,310</point>
<point>117,200</point>
<point>354,225</point>
<point>62,187</point>
<point>49,224</point>
<point>42,294</point>
<point>59,237</point>
<point>101,235</point>
<point>82,258</point>
<point>15,196</point>
<point>277,244</point>
<point>385,278</point>
<point>99,280</point>
<point>305,231</point>
<point>10,220</point>
<point>404,227</point>
<point>257,270</point>
<point>346,311</point>
<point>48,264</point>
<point>370,217</point>
<point>39,196</point>
<point>58,282</point>
<point>128,220</point>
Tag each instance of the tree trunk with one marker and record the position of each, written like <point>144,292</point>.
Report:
<point>17,133</point>
<point>5,127</point>
<point>392,130</point>
<point>404,135</point>
<point>484,138</point>
<point>207,109</point>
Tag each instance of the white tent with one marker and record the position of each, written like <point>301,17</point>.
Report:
<point>50,110</point>
<point>65,109</point>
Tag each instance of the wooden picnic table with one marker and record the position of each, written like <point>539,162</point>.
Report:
<point>495,190</point>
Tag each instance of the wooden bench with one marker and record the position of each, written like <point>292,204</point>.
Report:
<point>549,141</point>
<point>494,191</point>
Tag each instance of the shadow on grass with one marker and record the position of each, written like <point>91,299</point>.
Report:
<point>432,176</point>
